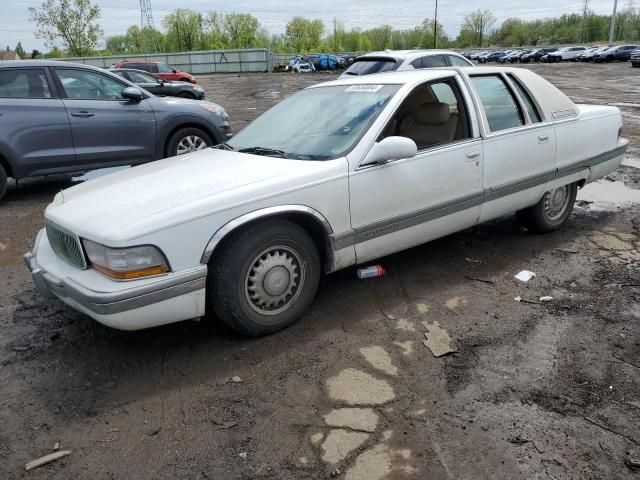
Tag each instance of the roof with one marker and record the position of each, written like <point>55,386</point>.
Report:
<point>41,63</point>
<point>408,54</point>
<point>548,96</point>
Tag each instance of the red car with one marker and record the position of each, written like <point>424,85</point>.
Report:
<point>158,68</point>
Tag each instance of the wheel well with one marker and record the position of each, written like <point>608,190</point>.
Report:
<point>7,167</point>
<point>207,130</point>
<point>311,225</point>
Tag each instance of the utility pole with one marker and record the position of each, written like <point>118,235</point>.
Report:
<point>435,27</point>
<point>584,34</point>
<point>146,21</point>
<point>612,25</point>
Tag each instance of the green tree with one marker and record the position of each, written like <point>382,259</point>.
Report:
<point>20,51</point>
<point>241,29</point>
<point>303,35</point>
<point>184,30</point>
<point>478,25</point>
<point>70,23</point>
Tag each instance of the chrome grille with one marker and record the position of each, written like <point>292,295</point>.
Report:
<point>66,246</point>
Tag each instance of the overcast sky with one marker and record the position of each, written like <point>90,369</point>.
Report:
<point>117,15</point>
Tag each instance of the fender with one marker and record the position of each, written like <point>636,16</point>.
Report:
<point>270,212</point>
<point>167,126</point>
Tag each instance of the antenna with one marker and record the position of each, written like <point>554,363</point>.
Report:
<point>146,21</point>
<point>584,33</point>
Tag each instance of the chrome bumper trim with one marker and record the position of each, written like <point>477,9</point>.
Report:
<point>109,303</point>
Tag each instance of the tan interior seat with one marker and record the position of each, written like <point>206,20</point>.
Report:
<point>429,124</point>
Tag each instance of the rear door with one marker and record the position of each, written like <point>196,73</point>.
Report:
<point>519,146</point>
<point>35,133</point>
<point>107,129</point>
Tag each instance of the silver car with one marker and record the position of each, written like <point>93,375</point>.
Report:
<point>59,117</point>
<point>398,60</point>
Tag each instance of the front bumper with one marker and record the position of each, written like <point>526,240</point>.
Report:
<point>157,301</point>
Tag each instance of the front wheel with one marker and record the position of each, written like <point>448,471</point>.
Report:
<point>264,277</point>
<point>187,140</point>
<point>552,211</point>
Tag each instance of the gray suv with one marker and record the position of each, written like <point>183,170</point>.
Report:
<point>59,117</point>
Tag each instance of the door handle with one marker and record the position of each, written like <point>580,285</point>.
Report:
<point>473,156</point>
<point>82,114</point>
<point>543,138</point>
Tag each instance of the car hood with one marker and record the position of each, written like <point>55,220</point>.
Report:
<point>146,198</point>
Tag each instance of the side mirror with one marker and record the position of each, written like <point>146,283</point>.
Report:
<point>132,94</point>
<point>391,148</point>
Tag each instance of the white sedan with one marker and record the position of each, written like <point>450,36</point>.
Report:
<point>338,174</point>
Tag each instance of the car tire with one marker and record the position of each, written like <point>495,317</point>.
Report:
<point>187,95</point>
<point>552,211</point>
<point>273,251</point>
<point>187,140</point>
<point>635,65</point>
<point>4,181</point>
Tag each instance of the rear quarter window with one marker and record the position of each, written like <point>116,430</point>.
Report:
<point>500,106</point>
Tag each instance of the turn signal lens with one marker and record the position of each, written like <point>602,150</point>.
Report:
<point>126,263</point>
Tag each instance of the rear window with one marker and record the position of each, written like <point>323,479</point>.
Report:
<point>369,66</point>
<point>24,83</point>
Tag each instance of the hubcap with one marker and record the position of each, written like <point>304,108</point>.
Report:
<point>274,280</point>
<point>556,202</point>
<point>191,143</point>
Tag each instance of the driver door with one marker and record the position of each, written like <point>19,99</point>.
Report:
<point>107,129</point>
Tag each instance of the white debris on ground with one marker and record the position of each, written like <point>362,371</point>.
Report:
<point>437,339</point>
<point>525,275</point>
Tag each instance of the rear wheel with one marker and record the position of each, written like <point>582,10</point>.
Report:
<point>552,211</point>
<point>264,277</point>
<point>3,182</point>
<point>187,140</point>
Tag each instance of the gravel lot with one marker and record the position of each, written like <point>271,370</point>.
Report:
<point>535,390</point>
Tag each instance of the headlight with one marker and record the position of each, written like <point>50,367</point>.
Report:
<point>214,108</point>
<point>126,263</point>
<point>198,88</point>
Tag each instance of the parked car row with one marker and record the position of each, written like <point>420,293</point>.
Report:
<point>597,54</point>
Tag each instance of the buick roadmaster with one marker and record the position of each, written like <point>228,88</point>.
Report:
<point>336,175</point>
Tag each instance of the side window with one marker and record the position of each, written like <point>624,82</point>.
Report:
<point>500,107</point>
<point>162,68</point>
<point>24,83</point>
<point>533,112</point>
<point>457,61</point>
<point>88,85</point>
<point>139,77</point>
<point>434,61</point>
<point>432,114</point>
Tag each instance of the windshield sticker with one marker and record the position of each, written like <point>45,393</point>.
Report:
<point>364,88</point>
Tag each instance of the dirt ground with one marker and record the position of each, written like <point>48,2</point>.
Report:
<point>535,390</point>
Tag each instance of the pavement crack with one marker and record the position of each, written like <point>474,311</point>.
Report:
<point>606,429</point>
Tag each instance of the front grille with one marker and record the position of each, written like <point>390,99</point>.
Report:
<point>66,246</point>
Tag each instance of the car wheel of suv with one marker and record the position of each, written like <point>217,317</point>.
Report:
<point>551,211</point>
<point>3,182</point>
<point>187,140</point>
<point>264,277</point>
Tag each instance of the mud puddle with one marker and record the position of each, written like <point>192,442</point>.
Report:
<point>605,195</point>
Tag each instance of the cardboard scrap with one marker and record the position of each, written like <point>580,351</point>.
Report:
<point>437,339</point>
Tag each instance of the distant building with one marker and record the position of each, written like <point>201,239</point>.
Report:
<point>4,55</point>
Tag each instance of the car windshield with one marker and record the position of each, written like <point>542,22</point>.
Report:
<point>315,124</point>
<point>374,65</point>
